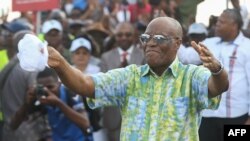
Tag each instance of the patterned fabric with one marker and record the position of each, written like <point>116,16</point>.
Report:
<point>156,108</point>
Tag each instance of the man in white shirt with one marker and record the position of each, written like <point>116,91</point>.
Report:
<point>232,48</point>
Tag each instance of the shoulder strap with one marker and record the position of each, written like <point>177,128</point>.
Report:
<point>68,95</point>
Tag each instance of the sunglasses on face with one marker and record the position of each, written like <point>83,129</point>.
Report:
<point>128,34</point>
<point>159,39</point>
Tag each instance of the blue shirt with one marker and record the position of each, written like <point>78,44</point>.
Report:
<point>63,129</point>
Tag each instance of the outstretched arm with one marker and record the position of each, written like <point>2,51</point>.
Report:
<point>72,78</point>
<point>218,82</point>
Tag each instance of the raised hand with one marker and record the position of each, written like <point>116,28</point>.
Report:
<point>209,61</point>
<point>50,99</point>
<point>55,58</point>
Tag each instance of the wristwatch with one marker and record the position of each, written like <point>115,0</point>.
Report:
<point>89,130</point>
<point>221,69</point>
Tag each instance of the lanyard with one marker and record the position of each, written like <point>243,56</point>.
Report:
<point>232,60</point>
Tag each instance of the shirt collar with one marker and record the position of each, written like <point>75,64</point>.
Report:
<point>237,41</point>
<point>129,50</point>
<point>173,68</point>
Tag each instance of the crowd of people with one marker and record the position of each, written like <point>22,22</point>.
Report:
<point>129,70</point>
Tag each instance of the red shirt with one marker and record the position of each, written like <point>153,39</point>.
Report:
<point>135,11</point>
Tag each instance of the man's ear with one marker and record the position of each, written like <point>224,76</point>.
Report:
<point>178,43</point>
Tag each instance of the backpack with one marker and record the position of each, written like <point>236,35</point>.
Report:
<point>94,115</point>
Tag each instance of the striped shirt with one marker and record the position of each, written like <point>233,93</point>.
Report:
<point>156,108</point>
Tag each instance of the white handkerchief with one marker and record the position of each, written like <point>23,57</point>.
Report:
<point>32,53</point>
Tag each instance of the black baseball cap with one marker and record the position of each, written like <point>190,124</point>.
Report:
<point>15,26</point>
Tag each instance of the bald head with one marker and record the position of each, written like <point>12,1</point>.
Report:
<point>166,23</point>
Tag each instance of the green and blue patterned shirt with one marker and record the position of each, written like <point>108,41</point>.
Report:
<point>156,108</point>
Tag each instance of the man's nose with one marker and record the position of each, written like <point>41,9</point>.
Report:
<point>151,42</point>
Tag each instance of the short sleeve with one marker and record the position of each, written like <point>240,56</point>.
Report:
<point>110,87</point>
<point>200,89</point>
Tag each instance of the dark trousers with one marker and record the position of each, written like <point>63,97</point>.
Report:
<point>211,129</point>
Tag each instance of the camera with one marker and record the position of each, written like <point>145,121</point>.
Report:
<point>40,91</point>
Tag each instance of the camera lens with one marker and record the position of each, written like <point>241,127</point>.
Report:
<point>40,91</point>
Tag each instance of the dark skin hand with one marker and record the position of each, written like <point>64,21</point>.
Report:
<point>80,118</point>
<point>22,113</point>
<point>76,81</point>
<point>206,57</point>
<point>50,99</point>
<point>217,83</point>
<point>209,61</point>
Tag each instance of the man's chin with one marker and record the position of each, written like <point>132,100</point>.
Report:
<point>152,64</point>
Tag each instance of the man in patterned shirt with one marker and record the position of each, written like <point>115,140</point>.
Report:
<point>161,100</point>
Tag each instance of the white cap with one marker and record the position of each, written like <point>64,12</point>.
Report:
<point>51,24</point>
<point>80,42</point>
<point>197,28</point>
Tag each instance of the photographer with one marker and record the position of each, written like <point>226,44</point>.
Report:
<point>66,114</point>
<point>14,83</point>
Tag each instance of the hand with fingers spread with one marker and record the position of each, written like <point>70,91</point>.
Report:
<point>209,61</point>
<point>218,83</point>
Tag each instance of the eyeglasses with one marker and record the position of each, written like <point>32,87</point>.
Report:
<point>159,39</point>
<point>128,34</point>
